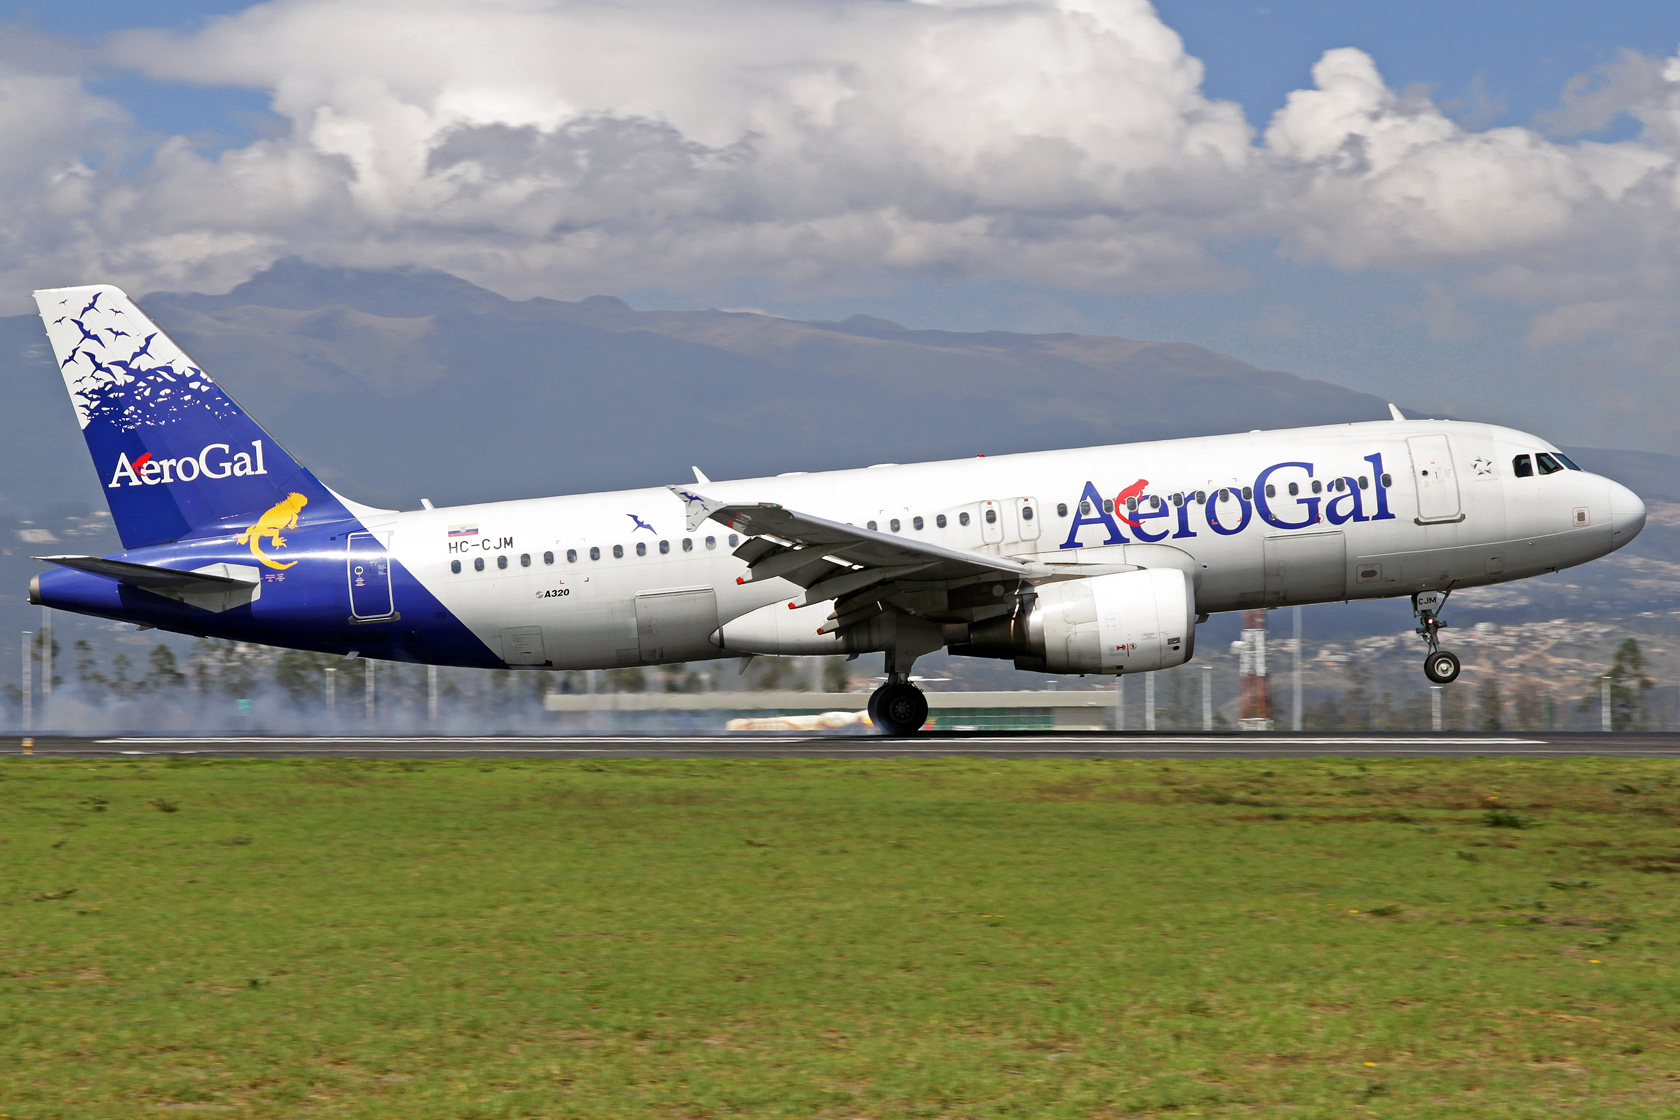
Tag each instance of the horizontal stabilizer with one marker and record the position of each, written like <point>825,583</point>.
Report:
<point>217,587</point>
<point>152,578</point>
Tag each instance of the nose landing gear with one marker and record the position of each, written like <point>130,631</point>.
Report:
<point>1440,666</point>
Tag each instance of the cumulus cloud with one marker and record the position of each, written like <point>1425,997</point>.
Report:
<point>597,144</point>
<point>573,146</point>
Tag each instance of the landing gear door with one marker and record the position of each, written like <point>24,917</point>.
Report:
<point>368,568</point>
<point>1026,518</point>
<point>1435,479</point>
<point>991,523</point>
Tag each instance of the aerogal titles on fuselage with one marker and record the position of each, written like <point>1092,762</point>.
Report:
<point>217,460</point>
<point>1345,498</point>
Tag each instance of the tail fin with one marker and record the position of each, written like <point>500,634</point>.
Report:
<point>176,456</point>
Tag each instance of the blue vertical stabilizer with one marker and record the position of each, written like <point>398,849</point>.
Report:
<point>176,457</point>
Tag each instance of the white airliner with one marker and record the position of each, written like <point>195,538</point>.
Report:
<point>1098,560</point>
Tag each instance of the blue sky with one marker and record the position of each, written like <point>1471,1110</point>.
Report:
<point>1517,56</point>
<point>1475,332</point>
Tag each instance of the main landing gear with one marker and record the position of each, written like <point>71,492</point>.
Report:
<point>1441,665</point>
<point>898,707</point>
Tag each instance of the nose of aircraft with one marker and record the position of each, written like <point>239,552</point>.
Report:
<point>1627,514</point>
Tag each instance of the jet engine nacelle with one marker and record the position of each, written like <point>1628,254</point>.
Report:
<point>1130,622</point>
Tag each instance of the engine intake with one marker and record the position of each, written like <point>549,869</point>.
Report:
<point>1130,622</point>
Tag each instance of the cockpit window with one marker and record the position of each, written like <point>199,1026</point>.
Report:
<point>1567,461</point>
<point>1547,464</point>
<point>1523,465</point>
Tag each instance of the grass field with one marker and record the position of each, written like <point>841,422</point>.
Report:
<point>931,938</point>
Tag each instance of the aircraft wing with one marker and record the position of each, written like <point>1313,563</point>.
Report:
<point>149,577</point>
<point>833,560</point>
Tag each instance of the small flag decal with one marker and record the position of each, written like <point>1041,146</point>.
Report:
<point>463,530</point>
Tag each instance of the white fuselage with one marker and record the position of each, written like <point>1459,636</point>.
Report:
<point>565,582</point>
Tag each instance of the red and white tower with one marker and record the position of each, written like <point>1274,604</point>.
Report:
<point>1255,713</point>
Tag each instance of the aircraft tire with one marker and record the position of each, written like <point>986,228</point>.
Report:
<point>898,709</point>
<point>1441,666</point>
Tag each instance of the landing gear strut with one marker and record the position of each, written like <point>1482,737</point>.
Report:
<point>1440,665</point>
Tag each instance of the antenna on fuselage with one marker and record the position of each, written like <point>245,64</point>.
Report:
<point>700,475</point>
<point>1394,412</point>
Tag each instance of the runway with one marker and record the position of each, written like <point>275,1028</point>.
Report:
<point>1013,745</point>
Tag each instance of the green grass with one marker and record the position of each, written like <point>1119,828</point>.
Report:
<point>947,938</point>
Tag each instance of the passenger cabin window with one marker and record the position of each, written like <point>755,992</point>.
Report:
<point>1224,495</point>
<point>1271,491</point>
<point>618,552</point>
<point>594,553</point>
<point>916,522</point>
<point>1387,481</point>
<point>1293,489</point>
<point>455,566</point>
<point>664,547</point>
<point>940,521</point>
<point>1108,505</point>
<point>893,524</point>
<point>734,540</point>
<point>1364,483</point>
<point>1201,497</point>
<point>1026,513</point>
<point>991,517</point>
<point>478,563</point>
<point>1061,509</point>
<point>548,558</point>
<point>688,544</point>
<point>571,556</point>
<point>1178,499</point>
<point>711,542</point>
<point>1248,493</point>
<point>871,526</point>
<point>1547,464</point>
<point>1085,509</point>
<point>962,519</point>
<point>641,548</point>
<point>501,561</point>
<point>1131,505</point>
<point>1523,466</point>
<point>524,559</point>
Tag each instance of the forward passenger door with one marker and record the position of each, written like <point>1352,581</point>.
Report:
<point>1436,479</point>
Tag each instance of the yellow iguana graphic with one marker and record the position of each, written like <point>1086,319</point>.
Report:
<point>283,516</point>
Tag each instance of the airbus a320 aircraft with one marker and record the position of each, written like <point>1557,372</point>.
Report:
<point>1098,560</point>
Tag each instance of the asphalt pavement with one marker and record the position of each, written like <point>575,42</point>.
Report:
<point>1002,744</point>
